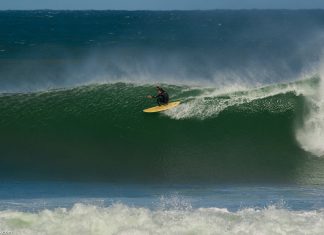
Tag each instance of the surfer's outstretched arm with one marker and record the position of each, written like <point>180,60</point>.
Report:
<point>154,96</point>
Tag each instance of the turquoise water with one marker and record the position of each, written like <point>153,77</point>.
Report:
<point>101,208</point>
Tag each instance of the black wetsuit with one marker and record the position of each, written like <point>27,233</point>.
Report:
<point>162,98</point>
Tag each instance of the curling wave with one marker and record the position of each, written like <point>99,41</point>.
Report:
<point>100,131</point>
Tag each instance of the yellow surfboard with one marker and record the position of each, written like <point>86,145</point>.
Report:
<point>162,107</point>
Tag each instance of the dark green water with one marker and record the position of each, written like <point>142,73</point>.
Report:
<point>99,132</point>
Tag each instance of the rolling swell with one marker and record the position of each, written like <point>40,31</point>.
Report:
<point>99,132</point>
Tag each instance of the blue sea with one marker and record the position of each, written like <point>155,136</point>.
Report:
<point>242,154</point>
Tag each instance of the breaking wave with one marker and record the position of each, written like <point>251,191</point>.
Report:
<point>122,219</point>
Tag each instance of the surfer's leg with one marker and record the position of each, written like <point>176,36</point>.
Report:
<point>160,101</point>
<point>166,98</point>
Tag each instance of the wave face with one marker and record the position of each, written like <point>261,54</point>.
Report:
<point>100,132</point>
<point>122,219</point>
<point>73,87</point>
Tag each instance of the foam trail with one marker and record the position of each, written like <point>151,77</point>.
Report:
<point>311,134</point>
<point>211,103</point>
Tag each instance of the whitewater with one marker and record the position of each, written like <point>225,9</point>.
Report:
<point>311,134</point>
<point>159,209</point>
<point>122,219</point>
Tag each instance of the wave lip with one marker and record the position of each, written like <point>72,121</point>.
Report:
<point>123,219</point>
<point>311,134</point>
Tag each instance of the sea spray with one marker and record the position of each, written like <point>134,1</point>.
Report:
<point>194,47</point>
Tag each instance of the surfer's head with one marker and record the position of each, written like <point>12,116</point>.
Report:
<point>159,89</point>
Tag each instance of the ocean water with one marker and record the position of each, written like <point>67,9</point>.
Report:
<point>242,154</point>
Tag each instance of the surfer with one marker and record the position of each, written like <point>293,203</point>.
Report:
<point>162,96</point>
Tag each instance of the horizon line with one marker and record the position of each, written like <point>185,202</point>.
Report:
<point>216,9</point>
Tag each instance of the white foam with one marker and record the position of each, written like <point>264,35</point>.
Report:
<point>206,106</point>
<point>121,219</point>
<point>311,134</point>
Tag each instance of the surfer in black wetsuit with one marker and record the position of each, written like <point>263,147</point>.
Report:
<point>162,97</point>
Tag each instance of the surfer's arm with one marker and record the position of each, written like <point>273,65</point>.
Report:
<point>153,96</point>
<point>157,96</point>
